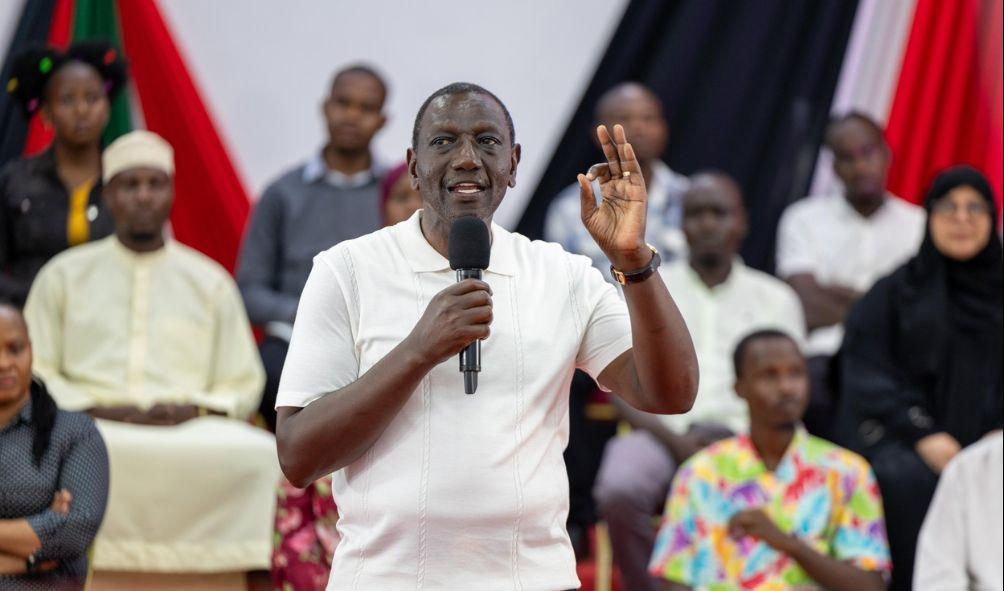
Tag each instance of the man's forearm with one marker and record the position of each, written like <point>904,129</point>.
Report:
<point>339,428</point>
<point>822,308</point>
<point>664,364</point>
<point>18,538</point>
<point>829,572</point>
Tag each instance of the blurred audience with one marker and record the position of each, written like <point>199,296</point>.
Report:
<point>56,465</point>
<point>722,300</point>
<point>832,248</point>
<point>52,201</point>
<point>333,196</point>
<point>142,330</point>
<point>776,508</point>
<point>962,540</point>
<point>921,363</point>
<point>639,110</point>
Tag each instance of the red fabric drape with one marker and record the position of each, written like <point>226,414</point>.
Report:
<point>949,104</point>
<point>39,136</point>
<point>211,205</point>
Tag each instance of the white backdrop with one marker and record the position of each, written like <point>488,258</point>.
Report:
<point>264,66</point>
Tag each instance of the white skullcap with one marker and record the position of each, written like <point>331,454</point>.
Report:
<point>135,149</point>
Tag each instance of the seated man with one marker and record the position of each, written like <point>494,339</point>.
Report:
<point>722,300</point>
<point>150,337</point>
<point>962,539</point>
<point>776,508</point>
<point>832,248</point>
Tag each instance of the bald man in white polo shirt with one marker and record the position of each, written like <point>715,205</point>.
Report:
<point>437,489</point>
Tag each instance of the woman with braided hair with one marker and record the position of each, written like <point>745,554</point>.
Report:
<point>52,201</point>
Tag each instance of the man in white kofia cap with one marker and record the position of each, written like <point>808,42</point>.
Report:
<point>150,337</point>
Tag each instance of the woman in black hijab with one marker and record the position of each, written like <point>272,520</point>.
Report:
<point>920,367</point>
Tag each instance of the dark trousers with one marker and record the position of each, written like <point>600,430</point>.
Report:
<point>907,486</point>
<point>273,356</point>
<point>820,416</point>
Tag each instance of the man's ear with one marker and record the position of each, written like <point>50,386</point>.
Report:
<point>740,388</point>
<point>517,152</point>
<point>412,168</point>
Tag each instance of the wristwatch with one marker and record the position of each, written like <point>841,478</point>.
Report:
<point>638,275</point>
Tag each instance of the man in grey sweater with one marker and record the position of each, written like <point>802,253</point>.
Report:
<point>333,196</point>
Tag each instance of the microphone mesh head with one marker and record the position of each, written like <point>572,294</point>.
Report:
<point>469,246</point>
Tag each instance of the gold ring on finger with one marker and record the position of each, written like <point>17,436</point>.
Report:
<point>626,174</point>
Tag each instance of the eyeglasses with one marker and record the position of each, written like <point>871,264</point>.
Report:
<point>947,207</point>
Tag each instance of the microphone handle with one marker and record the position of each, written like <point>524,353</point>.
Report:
<point>470,356</point>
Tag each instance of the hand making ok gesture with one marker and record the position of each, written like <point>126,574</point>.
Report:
<point>617,223</point>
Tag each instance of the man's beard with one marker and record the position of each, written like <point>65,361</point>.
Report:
<point>143,236</point>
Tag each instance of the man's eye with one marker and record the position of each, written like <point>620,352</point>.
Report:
<point>440,141</point>
<point>490,140</point>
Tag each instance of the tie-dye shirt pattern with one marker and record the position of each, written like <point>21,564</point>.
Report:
<point>822,493</point>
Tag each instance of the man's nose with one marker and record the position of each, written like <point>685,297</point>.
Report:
<point>467,157</point>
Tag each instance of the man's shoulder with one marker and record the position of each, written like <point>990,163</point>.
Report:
<point>830,456</point>
<point>550,254</point>
<point>903,208</point>
<point>979,457</point>
<point>365,247</point>
<point>765,283</point>
<point>194,262</point>
<point>79,257</point>
<point>289,178</point>
<point>807,208</point>
<point>710,460</point>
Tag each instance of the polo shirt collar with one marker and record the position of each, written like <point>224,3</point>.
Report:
<point>423,258</point>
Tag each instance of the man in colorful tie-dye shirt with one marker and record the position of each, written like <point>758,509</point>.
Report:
<point>778,508</point>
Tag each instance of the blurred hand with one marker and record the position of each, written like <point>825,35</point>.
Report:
<point>61,501</point>
<point>937,450</point>
<point>455,318</point>
<point>756,524</point>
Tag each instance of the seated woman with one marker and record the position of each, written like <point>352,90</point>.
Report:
<point>52,201</point>
<point>921,360</point>
<point>305,518</point>
<point>53,475</point>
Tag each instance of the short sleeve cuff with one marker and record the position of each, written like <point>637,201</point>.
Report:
<point>296,399</point>
<point>786,269</point>
<point>595,365</point>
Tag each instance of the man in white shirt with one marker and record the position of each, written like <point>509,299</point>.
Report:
<point>639,110</point>
<point>832,248</point>
<point>722,301</point>
<point>150,337</point>
<point>962,540</point>
<point>437,489</point>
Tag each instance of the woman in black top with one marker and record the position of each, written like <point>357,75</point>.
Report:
<point>53,201</point>
<point>53,475</point>
<point>921,365</point>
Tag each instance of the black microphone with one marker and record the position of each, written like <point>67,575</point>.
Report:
<point>469,249</point>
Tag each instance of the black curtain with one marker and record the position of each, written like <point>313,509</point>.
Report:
<point>32,30</point>
<point>747,87</point>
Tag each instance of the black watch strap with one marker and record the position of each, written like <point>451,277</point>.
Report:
<point>639,275</point>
